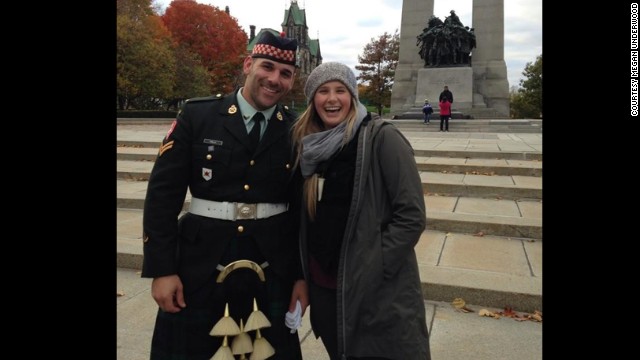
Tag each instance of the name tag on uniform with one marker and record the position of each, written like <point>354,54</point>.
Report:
<point>212,142</point>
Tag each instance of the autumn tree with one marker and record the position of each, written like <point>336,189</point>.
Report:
<point>526,101</point>
<point>377,68</point>
<point>145,62</point>
<point>213,35</point>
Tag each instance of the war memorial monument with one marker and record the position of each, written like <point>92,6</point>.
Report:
<point>468,59</point>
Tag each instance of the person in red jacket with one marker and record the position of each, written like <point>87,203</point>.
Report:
<point>445,113</point>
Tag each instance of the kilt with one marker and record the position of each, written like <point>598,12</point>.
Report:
<point>185,335</point>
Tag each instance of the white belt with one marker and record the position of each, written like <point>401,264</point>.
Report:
<point>235,211</point>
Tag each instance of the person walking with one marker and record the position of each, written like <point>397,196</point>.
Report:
<point>362,213</point>
<point>234,251</point>
<point>427,110</point>
<point>445,113</point>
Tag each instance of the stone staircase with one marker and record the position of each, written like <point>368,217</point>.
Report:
<point>483,241</point>
<point>473,125</point>
<point>472,120</point>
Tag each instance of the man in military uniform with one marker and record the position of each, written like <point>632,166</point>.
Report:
<point>239,183</point>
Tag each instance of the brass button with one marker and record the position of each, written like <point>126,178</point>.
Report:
<point>240,228</point>
<point>288,166</point>
<point>252,162</point>
<point>209,156</point>
<point>246,187</point>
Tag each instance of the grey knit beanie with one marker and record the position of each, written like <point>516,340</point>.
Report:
<point>327,72</point>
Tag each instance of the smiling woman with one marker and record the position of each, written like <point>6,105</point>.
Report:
<point>363,212</point>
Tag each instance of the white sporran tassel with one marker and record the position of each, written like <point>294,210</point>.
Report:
<point>261,348</point>
<point>257,320</point>
<point>242,342</point>
<point>226,325</point>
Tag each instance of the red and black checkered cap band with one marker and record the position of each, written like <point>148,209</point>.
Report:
<point>272,52</point>
<point>276,48</point>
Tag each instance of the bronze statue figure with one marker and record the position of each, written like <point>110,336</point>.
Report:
<point>447,43</point>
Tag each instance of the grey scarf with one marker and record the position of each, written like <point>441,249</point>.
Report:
<point>320,146</point>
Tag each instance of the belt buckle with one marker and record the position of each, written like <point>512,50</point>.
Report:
<point>246,211</point>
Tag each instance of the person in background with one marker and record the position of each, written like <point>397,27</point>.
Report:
<point>233,153</point>
<point>445,113</point>
<point>362,213</point>
<point>427,110</point>
<point>446,93</point>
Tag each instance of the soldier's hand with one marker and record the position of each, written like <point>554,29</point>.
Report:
<point>300,292</point>
<point>167,292</point>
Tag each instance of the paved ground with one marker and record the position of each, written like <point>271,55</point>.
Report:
<point>454,335</point>
<point>449,262</point>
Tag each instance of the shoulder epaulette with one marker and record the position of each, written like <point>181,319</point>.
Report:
<point>289,111</point>
<point>205,98</point>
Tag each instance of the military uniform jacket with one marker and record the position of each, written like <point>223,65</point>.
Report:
<point>207,150</point>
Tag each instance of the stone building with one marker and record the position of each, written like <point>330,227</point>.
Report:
<point>295,26</point>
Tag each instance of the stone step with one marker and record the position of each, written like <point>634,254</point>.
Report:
<point>477,154</point>
<point>497,186</point>
<point>483,240</point>
<point>473,145</point>
<point>487,167</point>
<point>425,163</point>
<point>416,115</point>
<point>457,128</point>
<point>489,216</point>
<point>457,184</point>
<point>458,124</point>
<point>147,150</point>
<point>488,270</point>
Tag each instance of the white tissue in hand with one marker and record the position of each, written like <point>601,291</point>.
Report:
<point>293,320</point>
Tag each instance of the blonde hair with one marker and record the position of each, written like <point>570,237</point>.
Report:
<point>310,122</point>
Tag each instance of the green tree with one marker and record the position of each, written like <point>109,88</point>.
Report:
<point>145,62</point>
<point>192,79</point>
<point>377,69</point>
<point>526,101</point>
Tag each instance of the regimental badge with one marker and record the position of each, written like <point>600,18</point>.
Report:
<point>233,109</point>
<point>206,174</point>
<point>279,115</point>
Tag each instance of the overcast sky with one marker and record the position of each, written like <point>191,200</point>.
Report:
<point>344,27</point>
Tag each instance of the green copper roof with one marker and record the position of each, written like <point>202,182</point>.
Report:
<point>314,47</point>
<point>299,17</point>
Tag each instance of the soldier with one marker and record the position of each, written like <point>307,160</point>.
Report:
<point>237,169</point>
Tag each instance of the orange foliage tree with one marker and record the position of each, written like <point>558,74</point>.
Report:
<point>212,34</point>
